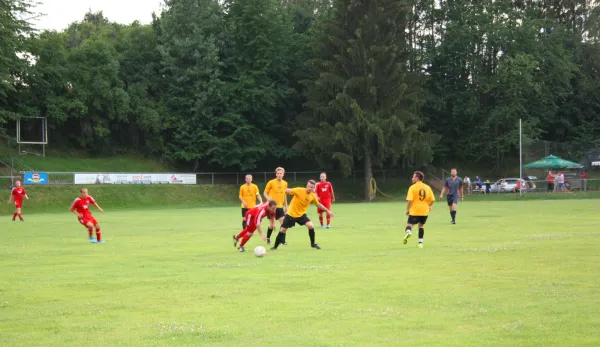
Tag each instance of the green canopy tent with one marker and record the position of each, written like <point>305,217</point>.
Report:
<point>553,162</point>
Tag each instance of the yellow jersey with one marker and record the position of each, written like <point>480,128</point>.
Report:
<point>248,193</point>
<point>422,197</point>
<point>300,202</point>
<point>276,191</point>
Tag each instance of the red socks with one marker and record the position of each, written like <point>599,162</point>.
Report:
<point>241,234</point>
<point>98,235</point>
<point>15,215</point>
<point>90,232</point>
<point>244,240</point>
<point>328,220</point>
<point>321,218</point>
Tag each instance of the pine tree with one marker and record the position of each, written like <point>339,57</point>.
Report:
<point>363,103</point>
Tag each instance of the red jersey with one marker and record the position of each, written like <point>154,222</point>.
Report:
<point>82,205</point>
<point>324,191</point>
<point>18,193</point>
<point>256,214</point>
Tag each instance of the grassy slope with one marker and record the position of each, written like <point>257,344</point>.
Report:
<point>509,274</point>
<point>58,198</point>
<point>77,164</point>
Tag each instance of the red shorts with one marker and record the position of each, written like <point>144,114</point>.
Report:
<point>18,204</point>
<point>250,223</point>
<point>326,204</point>
<point>88,219</point>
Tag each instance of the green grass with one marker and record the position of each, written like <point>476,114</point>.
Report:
<point>509,273</point>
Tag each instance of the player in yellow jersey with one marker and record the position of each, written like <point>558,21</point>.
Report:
<point>302,198</point>
<point>275,190</point>
<point>420,198</point>
<point>248,194</point>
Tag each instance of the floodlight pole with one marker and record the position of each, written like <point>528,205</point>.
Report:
<point>521,156</point>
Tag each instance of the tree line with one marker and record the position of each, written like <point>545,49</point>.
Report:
<point>213,84</point>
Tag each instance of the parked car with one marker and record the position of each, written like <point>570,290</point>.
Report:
<point>508,185</point>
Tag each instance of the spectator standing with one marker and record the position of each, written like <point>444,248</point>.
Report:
<point>550,181</point>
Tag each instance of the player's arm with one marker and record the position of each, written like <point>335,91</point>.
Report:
<point>462,191</point>
<point>321,207</point>
<point>98,206</point>
<point>242,198</point>
<point>10,197</point>
<point>260,200</point>
<point>260,232</point>
<point>431,199</point>
<point>443,191</point>
<point>267,190</point>
<point>332,194</point>
<point>409,200</point>
<point>74,210</point>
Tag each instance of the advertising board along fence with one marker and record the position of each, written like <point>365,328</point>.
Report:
<point>200,178</point>
<point>134,178</point>
<point>78,178</point>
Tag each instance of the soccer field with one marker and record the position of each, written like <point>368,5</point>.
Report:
<point>509,273</point>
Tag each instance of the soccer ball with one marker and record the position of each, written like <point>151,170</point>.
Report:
<point>260,251</point>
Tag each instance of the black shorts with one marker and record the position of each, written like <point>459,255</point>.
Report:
<point>417,220</point>
<point>279,213</point>
<point>452,199</point>
<point>289,221</point>
<point>244,210</point>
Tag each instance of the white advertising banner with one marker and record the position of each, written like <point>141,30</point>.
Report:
<point>135,178</point>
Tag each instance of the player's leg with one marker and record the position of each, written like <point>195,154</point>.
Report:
<point>16,213</point>
<point>279,238</point>
<point>288,222</point>
<point>244,218</point>
<point>90,227</point>
<point>249,227</point>
<point>453,211</point>
<point>422,221</point>
<point>328,205</point>
<point>239,236</point>
<point>245,239</point>
<point>19,214</point>
<point>311,231</point>
<point>98,232</point>
<point>279,216</point>
<point>450,200</point>
<point>270,231</point>
<point>281,220</point>
<point>320,213</point>
<point>408,231</point>
<point>283,241</point>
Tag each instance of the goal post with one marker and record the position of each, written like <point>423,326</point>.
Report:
<point>32,131</point>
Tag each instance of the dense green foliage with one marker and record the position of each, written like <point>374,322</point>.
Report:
<point>239,84</point>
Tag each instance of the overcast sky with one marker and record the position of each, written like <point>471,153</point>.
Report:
<point>60,13</point>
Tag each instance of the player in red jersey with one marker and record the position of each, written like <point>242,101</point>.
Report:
<point>254,217</point>
<point>17,195</point>
<point>80,207</point>
<point>325,194</point>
